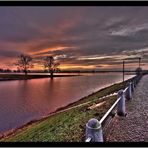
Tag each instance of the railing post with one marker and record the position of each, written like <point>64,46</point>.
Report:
<point>121,104</point>
<point>137,77</point>
<point>132,86</point>
<point>129,92</point>
<point>94,130</point>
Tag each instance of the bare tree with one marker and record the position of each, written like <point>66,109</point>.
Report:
<point>50,64</point>
<point>24,63</point>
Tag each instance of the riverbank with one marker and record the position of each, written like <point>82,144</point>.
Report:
<point>6,77</point>
<point>68,124</point>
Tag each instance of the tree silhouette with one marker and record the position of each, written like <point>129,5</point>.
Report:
<point>24,63</point>
<point>50,64</point>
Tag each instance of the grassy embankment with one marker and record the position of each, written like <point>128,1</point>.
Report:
<point>24,77</point>
<point>66,126</point>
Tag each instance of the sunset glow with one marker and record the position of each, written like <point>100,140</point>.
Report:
<point>95,38</point>
<point>75,73</point>
<point>73,67</point>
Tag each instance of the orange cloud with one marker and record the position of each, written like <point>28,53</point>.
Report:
<point>44,52</point>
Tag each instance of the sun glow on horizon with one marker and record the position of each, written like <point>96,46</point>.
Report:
<point>72,66</point>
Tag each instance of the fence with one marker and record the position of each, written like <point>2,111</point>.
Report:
<point>94,130</point>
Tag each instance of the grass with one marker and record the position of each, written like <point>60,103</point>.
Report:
<point>67,126</point>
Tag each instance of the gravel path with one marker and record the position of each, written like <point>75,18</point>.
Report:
<point>133,127</point>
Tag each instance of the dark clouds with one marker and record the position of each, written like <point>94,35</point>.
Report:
<point>118,32</point>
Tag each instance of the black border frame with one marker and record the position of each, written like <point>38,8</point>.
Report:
<point>73,3</point>
<point>74,144</point>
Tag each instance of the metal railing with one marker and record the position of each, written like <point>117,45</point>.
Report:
<point>88,139</point>
<point>94,127</point>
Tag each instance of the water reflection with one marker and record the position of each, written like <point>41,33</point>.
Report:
<point>25,100</point>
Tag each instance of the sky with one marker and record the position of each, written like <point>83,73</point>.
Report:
<point>97,38</point>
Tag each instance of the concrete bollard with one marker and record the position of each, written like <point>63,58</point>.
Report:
<point>135,80</point>
<point>132,86</point>
<point>129,92</point>
<point>121,104</point>
<point>94,130</point>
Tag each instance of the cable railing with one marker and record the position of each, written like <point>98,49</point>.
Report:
<point>94,131</point>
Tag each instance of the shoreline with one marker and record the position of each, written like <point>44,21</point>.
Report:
<point>102,92</point>
<point>57,111</point>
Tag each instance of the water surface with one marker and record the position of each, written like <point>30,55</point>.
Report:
<point>24,100</point>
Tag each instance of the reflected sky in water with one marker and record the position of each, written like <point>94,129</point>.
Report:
<point>24,100</point>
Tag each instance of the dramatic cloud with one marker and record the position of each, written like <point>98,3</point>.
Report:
<point>78,37</point>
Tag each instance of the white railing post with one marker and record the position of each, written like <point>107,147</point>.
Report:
<point>129,92</point>
<point>94,131</point>
<point>121,104</point>
<point>132,87</point>
<point>134,84</point>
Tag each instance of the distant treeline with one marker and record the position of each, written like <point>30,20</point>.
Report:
<point>5,70</point>
<point>66,71</point>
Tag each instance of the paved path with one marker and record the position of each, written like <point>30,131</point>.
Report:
<point>134,127</point>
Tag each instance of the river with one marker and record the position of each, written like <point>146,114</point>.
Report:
<point>22,101</point>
